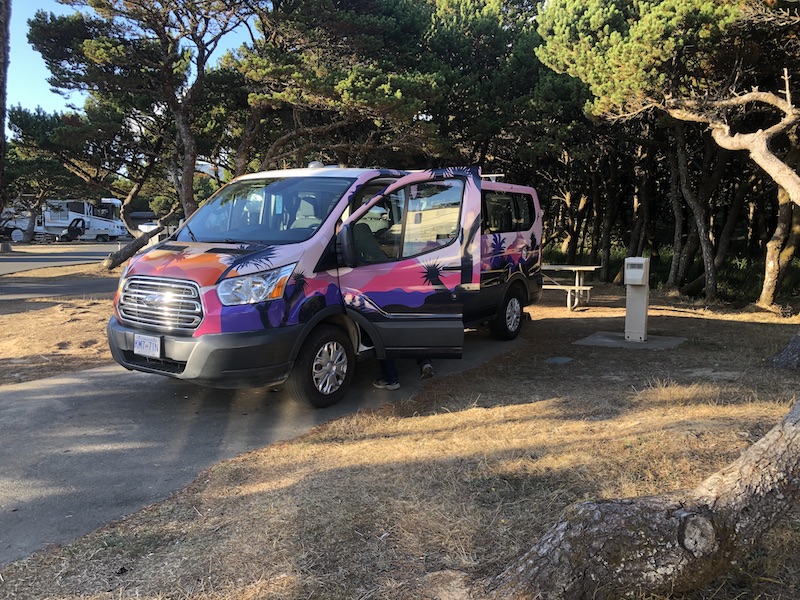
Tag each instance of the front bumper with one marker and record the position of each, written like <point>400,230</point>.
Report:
<point>225,360</point>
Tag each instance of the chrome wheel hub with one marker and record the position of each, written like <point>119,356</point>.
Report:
<point>329,368</point>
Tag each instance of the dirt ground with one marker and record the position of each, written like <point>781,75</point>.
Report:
<point>50,336</point>
<point>460,479</point>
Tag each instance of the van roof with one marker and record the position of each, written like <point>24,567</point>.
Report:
<point>353,173</point>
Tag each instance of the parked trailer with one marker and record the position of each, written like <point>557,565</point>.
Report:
<point>69,220</point>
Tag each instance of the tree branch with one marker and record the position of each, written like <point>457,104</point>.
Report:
<point>711,112</point>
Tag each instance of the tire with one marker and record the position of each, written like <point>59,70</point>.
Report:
<point>102,238</point>
<point>17,235</point>
<point>324,367</point>
<point>508,322</point>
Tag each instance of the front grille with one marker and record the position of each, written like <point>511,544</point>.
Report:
<point>164,304</point>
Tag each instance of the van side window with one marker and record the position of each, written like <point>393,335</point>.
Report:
<point>498,212</point>
<point>504,212</point>
<point>434,209</point>
<point>376,235</point>
<point>365,193</point>
<point>413,220</point>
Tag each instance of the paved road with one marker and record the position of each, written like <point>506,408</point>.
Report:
<point>79,451</point>
<point>21,288</point>
<point>37,256</point>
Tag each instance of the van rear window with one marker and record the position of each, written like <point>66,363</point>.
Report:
<point>524,207</point>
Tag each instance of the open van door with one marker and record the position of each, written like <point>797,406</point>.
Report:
<point>408,260</point>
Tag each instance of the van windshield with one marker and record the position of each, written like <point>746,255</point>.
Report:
<point>265,211</point>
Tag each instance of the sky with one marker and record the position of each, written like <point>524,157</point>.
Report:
<point>27,73</point>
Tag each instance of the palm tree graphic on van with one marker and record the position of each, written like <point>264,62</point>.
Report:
<point>498,252</point>
<point>432,275</point>
<point>298,293</point>
<point>252,262</point>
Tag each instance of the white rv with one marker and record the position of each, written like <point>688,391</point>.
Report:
<point>69,220</point>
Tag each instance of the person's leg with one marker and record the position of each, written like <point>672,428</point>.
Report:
<point>389,379</point>
<point>425,368</point>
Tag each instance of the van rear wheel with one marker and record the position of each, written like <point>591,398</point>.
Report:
<point>324,368</point>
<point>508,322</point>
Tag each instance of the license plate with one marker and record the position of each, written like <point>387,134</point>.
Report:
<point>147,345</point>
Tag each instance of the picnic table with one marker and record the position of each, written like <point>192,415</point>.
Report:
<point>578,292</point>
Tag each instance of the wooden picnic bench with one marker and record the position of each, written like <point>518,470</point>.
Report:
<point>578,292</point>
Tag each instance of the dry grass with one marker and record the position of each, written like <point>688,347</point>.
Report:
<point>464,477</point>
<point>49,336</point>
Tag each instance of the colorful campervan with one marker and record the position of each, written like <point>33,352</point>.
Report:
<point>289,277</point>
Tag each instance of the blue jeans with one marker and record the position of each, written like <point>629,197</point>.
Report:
<point>389,369</point>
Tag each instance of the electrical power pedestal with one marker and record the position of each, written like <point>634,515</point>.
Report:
<point>637,298</point>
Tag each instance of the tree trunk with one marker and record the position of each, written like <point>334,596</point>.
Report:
<point>700,218</point>
<point>677,214</point>
<point>115,259</point>
<point>609,219</point>
<point>5,21</point>
<point>688,252</point>
<point>138,183</point>
<point>576,213</point>
<point>29,233</point>
<point>188,162</point>
<point>772,266</point>
<point>780,248</point>
<point>645,192</point>
<point>744,191</point>
<point>252,129</point>
<point>789,357</point>
<point>34,210</point>
<point>725,236</point>
<point>594,253</point>
<point>757,230</point>
<point>790,248</point>
<point>666,543</point>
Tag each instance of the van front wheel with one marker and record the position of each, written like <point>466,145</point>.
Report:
<point>508,322</point>
<point>324,368</point>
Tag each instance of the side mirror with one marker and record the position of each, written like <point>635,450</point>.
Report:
<point>345,249</point>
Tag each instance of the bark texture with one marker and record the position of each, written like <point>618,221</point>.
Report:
<point>5,24</point>
<point>666,543</point>
<point>775,246</point>
<point>789,356</point>
<point>115,259</point>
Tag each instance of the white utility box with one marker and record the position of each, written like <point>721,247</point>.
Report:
<point>637,298</point>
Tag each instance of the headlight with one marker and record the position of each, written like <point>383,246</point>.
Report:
<point>257,287</point>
